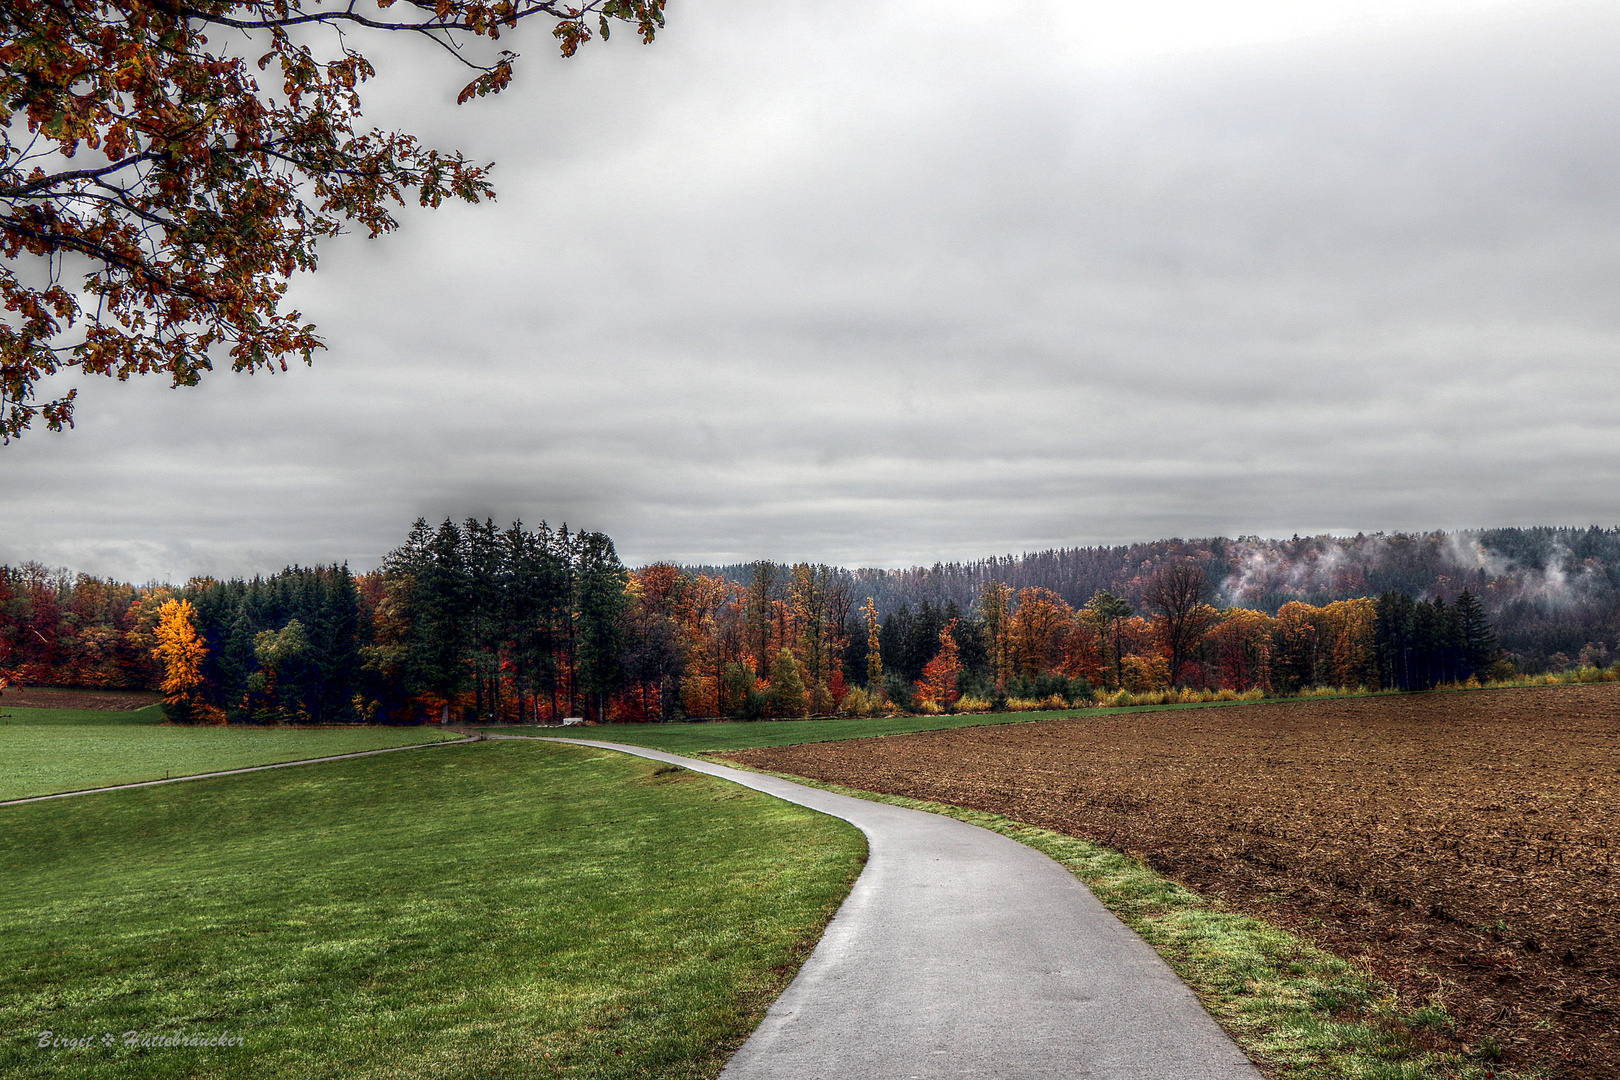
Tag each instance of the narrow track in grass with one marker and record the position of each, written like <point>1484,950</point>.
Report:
<point>234,772</point>
<point>963,953</point>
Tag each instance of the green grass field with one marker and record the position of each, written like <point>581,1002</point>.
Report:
<point>721,736</point>
<point>45,758</point>
<point>152,714</point>
<point>504,909</point>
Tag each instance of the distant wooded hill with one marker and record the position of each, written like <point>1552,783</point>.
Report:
<point>1551,592</point>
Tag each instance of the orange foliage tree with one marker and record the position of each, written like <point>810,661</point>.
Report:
<point>1085,653</point>
<point>1040,627</point>
<point>940,675</point>
<point>181,650</point>
<point>1239,648</point>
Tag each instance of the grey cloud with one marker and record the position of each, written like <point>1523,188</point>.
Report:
<point>784,285</point>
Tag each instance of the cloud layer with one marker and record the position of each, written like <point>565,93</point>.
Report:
<point>805,282</point>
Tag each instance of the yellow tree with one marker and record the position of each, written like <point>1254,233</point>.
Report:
<point>181,650</point>
<point>707,598</point>
<point>786,695</point>
<point>810,595</point>
<point>874,650</point>
<point>1354,649</point>
<point>995,608</point>
<point>1302,653</point>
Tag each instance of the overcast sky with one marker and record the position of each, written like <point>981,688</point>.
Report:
<point>883,284</point>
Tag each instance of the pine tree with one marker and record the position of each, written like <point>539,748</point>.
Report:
<point>1477,638</point>
<point>1431,637</point>
<point>432,571</point>
<point>599,610</point>
<point>535,602</point>
<point>1394,641</point>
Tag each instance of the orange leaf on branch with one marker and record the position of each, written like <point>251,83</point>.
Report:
<point>182,184</point>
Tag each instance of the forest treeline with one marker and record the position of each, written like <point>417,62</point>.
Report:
<point>1551,593</point>
<point>474,621</point>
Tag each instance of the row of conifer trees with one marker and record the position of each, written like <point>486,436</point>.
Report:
<point>461,620</point>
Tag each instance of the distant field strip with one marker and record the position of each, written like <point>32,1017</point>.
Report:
<point>17,714</point>
<point>499,909</point>
<point>46,759</point>
<point>759,734</point>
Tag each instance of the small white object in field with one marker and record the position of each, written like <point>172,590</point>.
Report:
<point>570,721</point>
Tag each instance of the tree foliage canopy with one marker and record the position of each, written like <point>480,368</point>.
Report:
<point>139,150</point>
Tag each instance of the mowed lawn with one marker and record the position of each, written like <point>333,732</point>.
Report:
<point>43,758</point>
<point>501,909</point>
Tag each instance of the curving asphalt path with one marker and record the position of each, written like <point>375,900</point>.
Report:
<point>963,953</point>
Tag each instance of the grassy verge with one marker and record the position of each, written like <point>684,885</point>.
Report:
<point>719,736</point>
<point>42,759</point>
<point>152,714</point>
<point>499,909</point>
<point>1300,1012</point>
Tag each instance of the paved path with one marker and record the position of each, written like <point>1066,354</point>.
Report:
<point>962,953</point>
<point>233,772</point>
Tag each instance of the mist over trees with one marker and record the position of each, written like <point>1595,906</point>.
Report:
<point>1549,592</point>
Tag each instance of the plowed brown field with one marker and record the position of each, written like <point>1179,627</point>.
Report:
<point>1461,843</point>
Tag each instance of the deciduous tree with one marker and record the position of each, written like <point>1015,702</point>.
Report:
<point>787,696</point>
<point>874,648</point>
<point>1241,647</point>
<point>1039,629</point>
<point>1177,592</point>
<point>995,610</point>
<point>1109,612</point>
<point>181,651</point>
<point>938,684</point>
<point>139,152</point>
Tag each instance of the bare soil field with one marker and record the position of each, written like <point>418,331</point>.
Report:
<point>1462,844</point>
<point>47,697</point>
